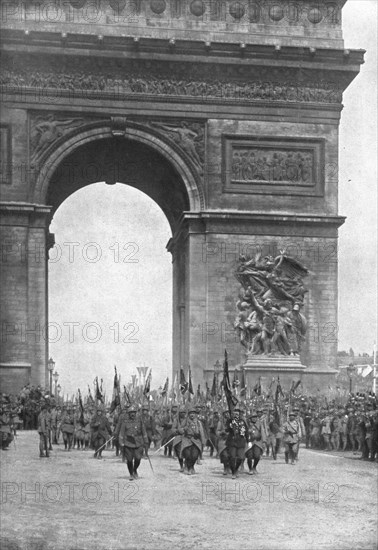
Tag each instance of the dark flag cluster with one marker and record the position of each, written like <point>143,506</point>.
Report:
<point>230,397</point>
<point>116,401</point>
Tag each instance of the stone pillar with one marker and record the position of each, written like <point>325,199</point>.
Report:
<point>24,295</point>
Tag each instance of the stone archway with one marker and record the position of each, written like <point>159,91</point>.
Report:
<point>192,102</point>
<point>144,157</point>
<point>59,159</point>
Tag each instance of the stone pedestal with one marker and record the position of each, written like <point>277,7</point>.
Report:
<point>263,363</point>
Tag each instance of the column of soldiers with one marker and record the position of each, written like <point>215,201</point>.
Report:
<point>239,439</point>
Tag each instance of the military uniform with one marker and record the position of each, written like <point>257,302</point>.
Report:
<point>257,439</point>
<point>43,430</point>
<point>193,441</point>
<point>178,430</point>
<point>68,428</point>
<point>101,431</point>
<point>5,429</point>
<point>222,443</point>
<point>132,437</point>
<point>237,438</point>
<point>291,430</point>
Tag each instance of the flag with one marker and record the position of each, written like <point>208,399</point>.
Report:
<point>199,392</point>
<point>257,388</point>
<point>243,385</point>
<point>116,401</point>
<point>235,381</point>
<point>270,389</point>
<point>295,386</point>
<point>214,387</point>
<point>164,391</point>
<point>208,392</point>
<point>81,406</point>
<point>190,387</point>
<point>367,370</point>
<point>231,399</point>
<point>278,390</point>
<point>183,382</point>
<point>99,396</point>
<point>147,385</point>
<point>90,398</point>
<point>127,396</point>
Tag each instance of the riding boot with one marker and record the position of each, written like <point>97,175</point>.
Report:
<point>135,467</point>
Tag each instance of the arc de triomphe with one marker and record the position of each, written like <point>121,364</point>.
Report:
<point>200,104</point>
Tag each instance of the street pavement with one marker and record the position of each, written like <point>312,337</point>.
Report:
<point>73,501</point>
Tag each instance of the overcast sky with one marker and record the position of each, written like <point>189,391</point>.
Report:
<point>127,295</point>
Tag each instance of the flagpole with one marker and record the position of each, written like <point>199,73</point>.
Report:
<point>375,368</point>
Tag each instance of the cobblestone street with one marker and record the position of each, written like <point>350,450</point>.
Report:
<point>72,501</point>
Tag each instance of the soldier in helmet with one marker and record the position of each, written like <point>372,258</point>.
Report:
<point>237,437</point>
<point>291,430</point>
<point>222,440</point>
<point>149,424</point>
<point>132,437</point>
<point>193,440</point>
<point>68,428</point>
<point>43,430</point>
<point>257,438</point>
<point>178,423</point>
<point>101,431</point>
<point>5,427</point>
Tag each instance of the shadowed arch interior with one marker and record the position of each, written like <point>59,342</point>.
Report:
<point>125,161</point>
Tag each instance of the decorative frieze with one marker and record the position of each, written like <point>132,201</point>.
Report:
<point>273,166</point>
<point>86,78</point>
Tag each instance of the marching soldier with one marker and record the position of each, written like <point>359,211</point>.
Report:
<point>149,424</point>
<point>43,430</point>
<point>193,440</point>
<point>54,424</point>
<point>5,428</point>
<point>291,430</point>
<point>213,438</point>
<point>257,438</point>
<point>68,428</point>
<point>222,443</point>
<point>132,437</point>
<point>101,430</point>
<point>167,433</point>
<point>237,437</point>
<point>177,428</point>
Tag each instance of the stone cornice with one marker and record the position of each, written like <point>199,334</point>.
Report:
<point>18,213</point>
<point>245,54</point>
<point>257,223</point>
<point>285,22</point>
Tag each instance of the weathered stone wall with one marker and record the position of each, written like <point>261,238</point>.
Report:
<point>230,113</point>
<point>290,23</point>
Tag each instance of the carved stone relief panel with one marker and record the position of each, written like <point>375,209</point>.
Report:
<point>273,165</point>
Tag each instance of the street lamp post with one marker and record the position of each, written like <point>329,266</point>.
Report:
<point>50,366</point>
<point>58,388</point>
<point>55,377</point>
<point>350,371</point>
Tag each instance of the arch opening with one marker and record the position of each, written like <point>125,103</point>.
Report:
<point>121,160</point>
<point>110,286</point>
